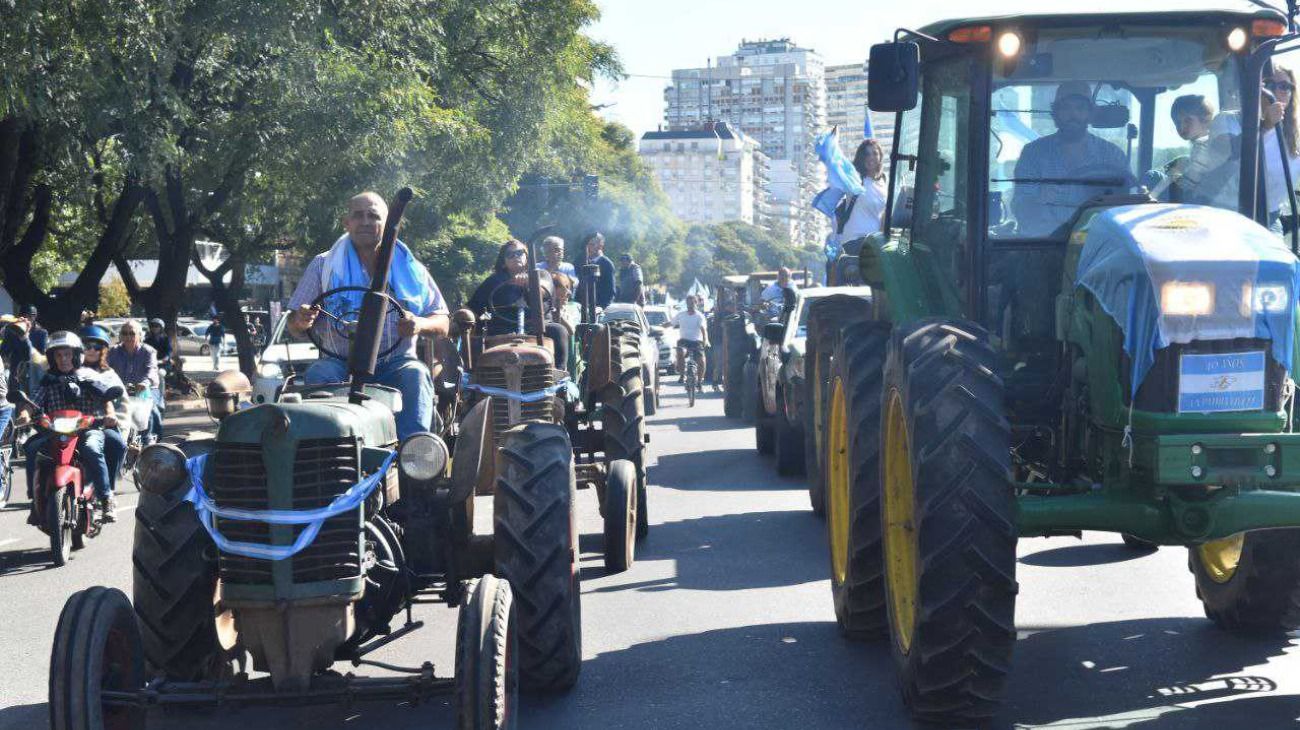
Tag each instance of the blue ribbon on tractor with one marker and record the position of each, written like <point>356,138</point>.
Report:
<point>313,519</point>
<point>530,397</point>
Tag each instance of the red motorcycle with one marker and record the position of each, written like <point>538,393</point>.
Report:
<point>63,499</point>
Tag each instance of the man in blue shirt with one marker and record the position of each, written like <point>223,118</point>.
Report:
<point>1046,195</point>
<point>351,263</point>
<point>553,250</point>
<point>605,280</point>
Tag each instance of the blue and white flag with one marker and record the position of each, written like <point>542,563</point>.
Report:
<point>867,131</point>
<point>841,177</point>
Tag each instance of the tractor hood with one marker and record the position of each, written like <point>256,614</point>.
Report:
<point>283,424</point>
<point>1177,273</point>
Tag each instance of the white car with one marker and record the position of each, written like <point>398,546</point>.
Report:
<point>649,350</point>
<point>192,339</point>
<point>285,355</point>
<point>660,318</point>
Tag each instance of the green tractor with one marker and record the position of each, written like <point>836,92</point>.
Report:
<point>1079,321</point>
<point>304,532</point>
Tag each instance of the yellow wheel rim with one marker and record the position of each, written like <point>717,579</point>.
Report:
<point>900,524</point>
<point>837,482</point>
<point>1221,557</point>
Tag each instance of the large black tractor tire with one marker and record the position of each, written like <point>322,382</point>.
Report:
<point>852,460</point>
<point>788,446</point>
<point>620,515</point>
<point>826,317</point>
<point>535,533</point>
<point>173,586</point>
<point>948,518</point>
<point>736,343</point>
<point>622,415</point>
<point>96,649</point>
<point>1255,590</point>
<point>487,650</point>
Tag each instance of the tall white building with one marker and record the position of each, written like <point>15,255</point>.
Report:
<point>846,105</point>
<point>775,92</point>
<point>712,173</point>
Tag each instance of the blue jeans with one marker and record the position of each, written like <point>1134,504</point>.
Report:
<point>101,452</point>
<point>406,374</point>
<point>6,415</point>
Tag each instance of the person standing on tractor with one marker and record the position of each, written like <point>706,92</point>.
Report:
<point>137,365</point>
<point>862,214</point>
<point>773,297</point>
<point>1044,200</point>
<point>595,243</point>
<point>70,386</point>
<point>507,288</point>
<point>631,282</point>
<point>350,262</point>
<point>553,249</point>
<point>693,336</point>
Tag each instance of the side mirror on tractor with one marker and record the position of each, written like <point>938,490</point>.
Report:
<point>895,77</point>
<point>774,332</point>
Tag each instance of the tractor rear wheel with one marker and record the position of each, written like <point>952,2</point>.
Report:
<point>622,415</point>
<point>1250,582</point>
<point>535,531</point>
<point>948,518</point>
<point>826,317</point>
<point>487,677</point>
<point>736,346</point>
<point>851,458</point>
<point>174,589</point>
<point>96,649</point>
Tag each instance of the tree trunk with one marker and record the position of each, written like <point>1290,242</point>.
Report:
<point>227,299</point>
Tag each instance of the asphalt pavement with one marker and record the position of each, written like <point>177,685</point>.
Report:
<point>725,621</point>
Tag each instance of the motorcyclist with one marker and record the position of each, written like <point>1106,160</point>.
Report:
<point>137,365</point>
<point>96,341</point>
<point>71,386</point>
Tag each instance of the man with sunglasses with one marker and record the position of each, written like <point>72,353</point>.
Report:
<point>137,365</point>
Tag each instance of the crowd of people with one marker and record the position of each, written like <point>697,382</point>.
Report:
<point>42,372</point>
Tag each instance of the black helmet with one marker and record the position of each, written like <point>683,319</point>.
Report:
<point>156,322</point>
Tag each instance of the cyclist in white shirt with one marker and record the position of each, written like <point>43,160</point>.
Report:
<point>692,334</point>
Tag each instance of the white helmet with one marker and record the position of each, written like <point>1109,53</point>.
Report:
<point>63,338</point>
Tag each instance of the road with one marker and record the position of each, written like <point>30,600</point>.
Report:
<point>725,622</point>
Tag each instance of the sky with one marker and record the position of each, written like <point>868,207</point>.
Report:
<point>653,38</point>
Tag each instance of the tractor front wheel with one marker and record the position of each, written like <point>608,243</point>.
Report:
<point>1250,583</point>
<point>620,515</point>
<point>96,650</point>
<point>487,676</point>
<point>826,317</point>
<point>948,520</point>
<point>851,457</point>
<point>788,447</point>
<point>535,531</point>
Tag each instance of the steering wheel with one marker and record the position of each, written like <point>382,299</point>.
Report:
<point>510,311</point>
<point>344,324</point>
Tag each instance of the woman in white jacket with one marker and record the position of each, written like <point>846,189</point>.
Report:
<point>865,211</point>
<point>1282,112</point>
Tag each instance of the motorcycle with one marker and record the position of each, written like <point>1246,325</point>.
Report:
<point>63,498</point>
<point>137,412</point>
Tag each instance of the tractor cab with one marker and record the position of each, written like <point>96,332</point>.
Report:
<point>1015,134</point>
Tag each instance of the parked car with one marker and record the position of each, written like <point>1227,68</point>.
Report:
<point>285,356</point>
<point>192,339</point>
<point>649,348</point>
<point>780,403</point>
<point>659,315</point>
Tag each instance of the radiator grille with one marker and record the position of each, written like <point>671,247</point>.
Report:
<point>533,378</point>
<point>323,469</point>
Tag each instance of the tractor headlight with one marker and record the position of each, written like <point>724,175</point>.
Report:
<point>1187,298</point>
<point>1267,298</point>
<point>161,469</point>
<point>422,457</point>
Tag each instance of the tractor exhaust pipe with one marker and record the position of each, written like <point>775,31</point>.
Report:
<point>374,305</point>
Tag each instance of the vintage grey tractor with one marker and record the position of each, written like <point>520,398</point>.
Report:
<point>303,533</point>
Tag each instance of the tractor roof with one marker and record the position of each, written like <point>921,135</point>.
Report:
<point>1120,11</point>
